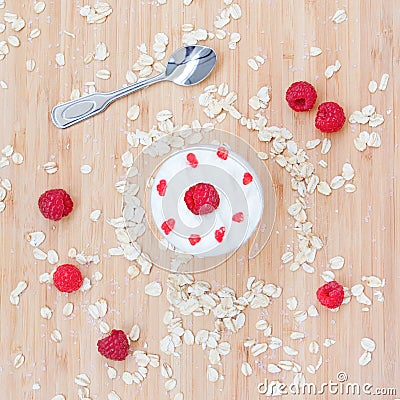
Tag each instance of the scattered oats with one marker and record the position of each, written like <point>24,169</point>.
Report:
<point>153,289</point>
<point>60,59</point>
<point>101,52</point>
<point>365,358</point>
<point>324,188</point>
<point>88,58</point>
<point>384,82</point>
<point>246,369</point>
<point>262,155</point>
<point>374,140</point>
<point>347,171</point>
<point>349,188</point>
<point>3,85</point>
<point>291,303</point>
<point>170,384</point>
<point>39,7</point>
<point>58,397</point>
<point>18,24</point>
<point>133,112</point>
<point>376,120</point>
<point>178,396</point>
<point>113,396</point>
<point>360,144</point>
<point>13,41</point>
<point>35,239</point>
<point>95,215</point>
<point>103,74</point>
<point>34,33</point>
<point>46,312</point>
<point>212,374</point>
<point>273,368</point>
<point>258,349</point>
<point>39,254</point>
<point>82,380</point>
<point>104,327</point>
<point>131,77</point>
<point>313,348</point>
<point>251,62</point>
<point>372,86</point>
<point>315,51</point>
<point>336,262</point>
<point>300,316</point>
<point>56,336</point>
<point>339,17</point>
<point>134,333</point>
<point>133,271</point>
<point>45,278</point>
<point>331,69</point>
<point>188,337</point>
<point>373,281</point>
<point>368,344</point>
<point>72,253</point>
<point>19,360</point>
<point>326,146</point>
<point>17,158</point>
<point>329,342</point>
<point>68,309</point>
<point>357,290</point>
<point>30,65</point>
<point>312,144</point>
<point>36,386</point>
<point>290,351</point>
<point>111,372</point>
<point>50,167</point>
<point>164,115</point>
<point>127,378</point>
<point>337,182</point>
<point>52,257</point>
<point>312,311</point>
<point>287,257</point>
<point>86,169</point>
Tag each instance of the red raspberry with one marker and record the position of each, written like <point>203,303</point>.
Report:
<point>67,278</point>
<point>168,225</point>
<point>202,198</point>
<point>301,96</point>
<point>222,153</point>
<point>331,294</point>
<point>238,217</point>
<point>115,346</point>
<point>194,239</point>
<point>55,204</point>
<point>219,234</point>
<point>192,160</point>
<point>162,187</point>
<point>247,178</point>
<point>330,117</point>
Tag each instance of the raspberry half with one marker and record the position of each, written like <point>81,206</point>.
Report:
<point>55,204</point>
<point>301,96</point>
<point>330,117</point>
<point>67,278</point>
<point>202,198</point>
<point>331,294</point>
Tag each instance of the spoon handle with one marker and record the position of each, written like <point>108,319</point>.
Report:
<point>66,114</point>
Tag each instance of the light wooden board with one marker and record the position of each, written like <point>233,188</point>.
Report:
<point>362,227</point>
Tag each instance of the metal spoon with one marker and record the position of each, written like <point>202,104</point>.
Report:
<point>186,67</point>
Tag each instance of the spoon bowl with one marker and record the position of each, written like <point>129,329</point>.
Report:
<point>190,65</point>
<point>187,66</point>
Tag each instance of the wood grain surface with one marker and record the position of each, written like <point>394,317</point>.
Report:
<point>362,227</point>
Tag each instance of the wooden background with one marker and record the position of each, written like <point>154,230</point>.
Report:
<point>362,227</point>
